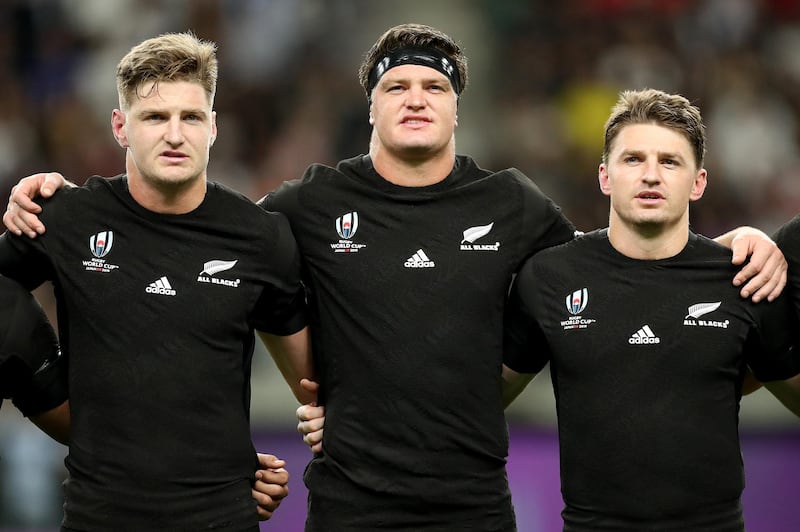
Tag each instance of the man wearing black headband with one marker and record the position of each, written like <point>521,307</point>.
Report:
<point>33,374</point>
<point>408,254</point>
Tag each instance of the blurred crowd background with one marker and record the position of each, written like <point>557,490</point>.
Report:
<point>543,77</point>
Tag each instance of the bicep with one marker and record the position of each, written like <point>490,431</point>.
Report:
<point>292,355</point>
<point>513,384</point>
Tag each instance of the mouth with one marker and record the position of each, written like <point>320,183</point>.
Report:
<point>415,120</point>
<point>174,156</point>
<point>649,195</point>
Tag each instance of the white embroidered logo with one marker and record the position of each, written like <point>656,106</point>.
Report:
<point>419,260</point>
<point>645,335</point>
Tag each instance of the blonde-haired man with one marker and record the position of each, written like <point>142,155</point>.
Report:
<point>162,277</point>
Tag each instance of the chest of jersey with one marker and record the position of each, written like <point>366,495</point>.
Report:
<point>442,248</point>
<point>621,323</point>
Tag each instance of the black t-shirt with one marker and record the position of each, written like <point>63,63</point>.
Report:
<point>157,315</point>
<point>408,287</point>
<point>32,372</point>
<point>788,240</point>
<point>647,360</point>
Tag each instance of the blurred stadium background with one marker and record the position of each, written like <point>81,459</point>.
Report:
<point>543,76</point>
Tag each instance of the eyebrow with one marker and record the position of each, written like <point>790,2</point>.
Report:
<point>661,154</point>
<point>388,79</point>
<point>153,110</point>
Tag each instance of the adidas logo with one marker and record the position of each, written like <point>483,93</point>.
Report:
<point>161,286</point>
<point>419,260</point>
<point>644,335</point>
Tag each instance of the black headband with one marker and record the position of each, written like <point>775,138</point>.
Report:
<point>428,57</point>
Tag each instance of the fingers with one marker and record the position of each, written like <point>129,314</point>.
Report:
<point>766,285</point>
<point>274,479</point>
<point>271,485</point>
<point>20,216</point>
<point>52,182</point>
<point>269,461</point>
<point>309,385</point>
<point>765,274</point>
<point>268,497</point>
<point>314,440</point>
<point>311,420</point>
<point>309,412</point>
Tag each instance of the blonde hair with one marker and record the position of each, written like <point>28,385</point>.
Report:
<point>650,106</point>
<point>168,57</point>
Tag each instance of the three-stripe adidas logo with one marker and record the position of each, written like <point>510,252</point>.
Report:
<point>645,335</point>
<point>160,286</point>
<point>419,260</point>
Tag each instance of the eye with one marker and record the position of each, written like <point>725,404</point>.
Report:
<point>631,159</point>
<point>670,162</point>
<point>153,117</point>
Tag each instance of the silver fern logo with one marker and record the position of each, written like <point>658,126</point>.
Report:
<point>701,309</point>
<point>474,233</point>
<point>694,312</point>
<point>214,267</point>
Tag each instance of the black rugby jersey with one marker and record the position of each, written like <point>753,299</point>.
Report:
<point>647,360</point>
<point>157,315</point>
<point>407,287</point>
<point>32,372</point>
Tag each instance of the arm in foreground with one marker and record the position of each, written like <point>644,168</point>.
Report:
<point>787,392</point>
<point>20,216</point>
<point>55,422</point>
<point>292,355</point>
<point>764,275</point>
<point>513,384</point>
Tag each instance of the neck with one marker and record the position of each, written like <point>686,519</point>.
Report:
<point>648,242</point>
<point>165,198</point>
<point>412,171</point>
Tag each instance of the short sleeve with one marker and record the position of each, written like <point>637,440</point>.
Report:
<point>525,348</point>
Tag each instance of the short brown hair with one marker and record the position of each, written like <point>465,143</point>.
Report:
<point>168,57</point>
<point>412,36</point>
<point>657,107</point>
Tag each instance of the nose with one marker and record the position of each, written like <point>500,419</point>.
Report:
<point>416,97</point>
<point>652,172</point>
<point>174,133</point>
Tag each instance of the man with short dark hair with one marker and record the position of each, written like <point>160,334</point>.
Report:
<point>648,343</point>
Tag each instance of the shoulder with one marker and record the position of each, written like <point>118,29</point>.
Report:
<point>705,249</point>
<point>555,260</point>
<point>594,241</point>
<point>288,194</point>
<point>239,208</point>
<point>788,235</point>
<point>93,187</point>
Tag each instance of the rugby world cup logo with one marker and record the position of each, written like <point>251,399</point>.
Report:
<point>100,244</point>
<point>347,225</point>
<point>577,301</point>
